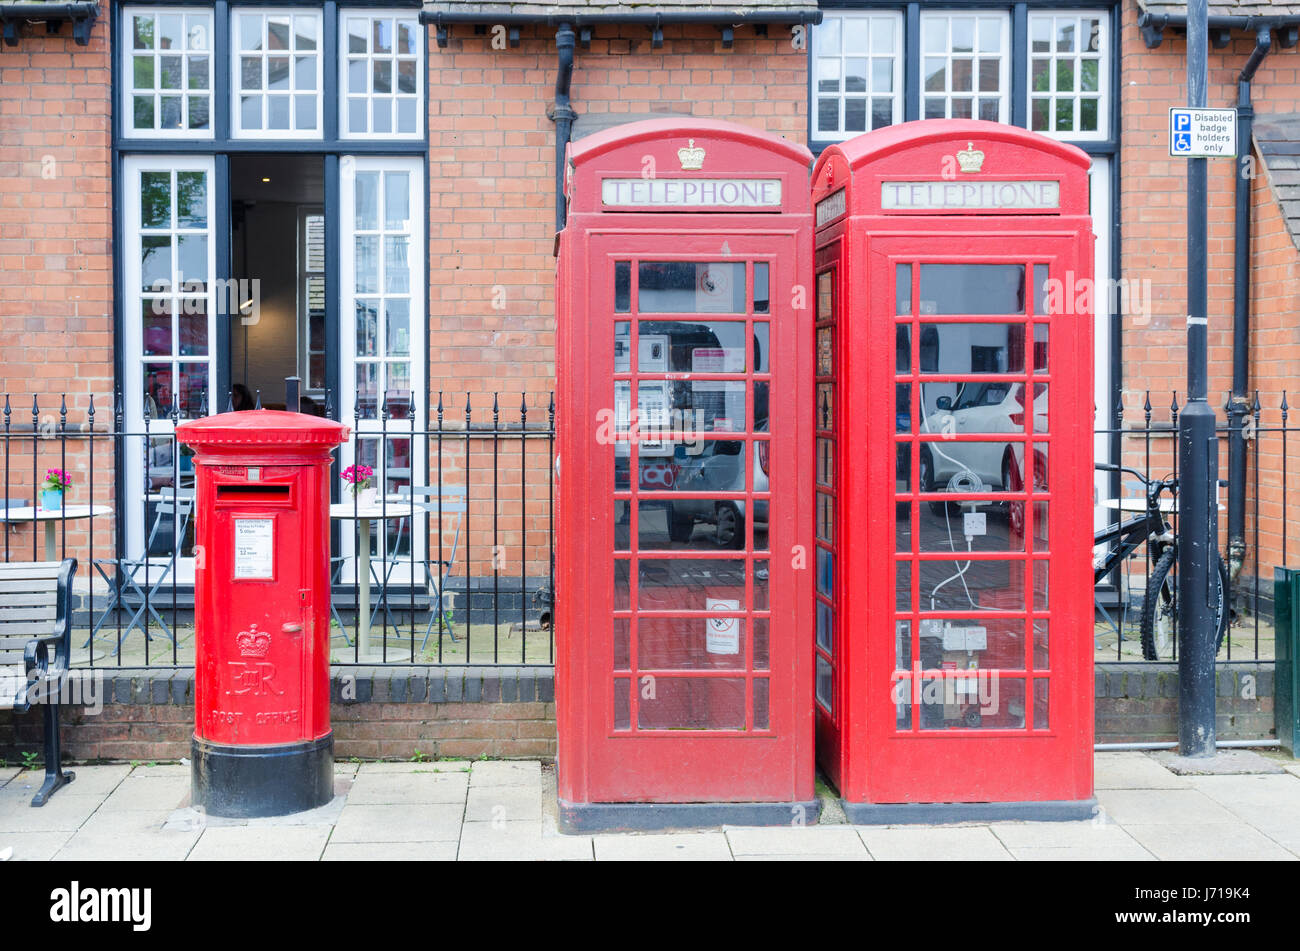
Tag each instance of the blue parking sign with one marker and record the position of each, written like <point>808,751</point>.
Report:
<point>1183,123</point>
<point>1182,143</point>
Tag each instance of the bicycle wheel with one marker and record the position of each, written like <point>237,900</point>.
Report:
<point>1157,623</point>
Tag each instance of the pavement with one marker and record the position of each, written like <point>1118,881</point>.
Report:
<point>491,810</point>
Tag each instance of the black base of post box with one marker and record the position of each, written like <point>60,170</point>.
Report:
<point>658,816</point>
<point>248,782</point>
<point>929,813</point>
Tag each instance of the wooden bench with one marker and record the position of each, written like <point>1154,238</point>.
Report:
<point>35,615</point>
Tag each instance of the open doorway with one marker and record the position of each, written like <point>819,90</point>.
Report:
<point>277,221</point>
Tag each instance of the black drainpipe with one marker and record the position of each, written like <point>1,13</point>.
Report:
<point>565,41</point>
<point>1239,406</point>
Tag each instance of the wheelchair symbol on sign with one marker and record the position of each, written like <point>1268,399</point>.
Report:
<point>1182,142</point>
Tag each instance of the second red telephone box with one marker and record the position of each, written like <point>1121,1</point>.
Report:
<point>954,591</point>
<point>684,363</point>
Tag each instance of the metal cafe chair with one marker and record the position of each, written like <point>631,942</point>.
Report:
<point>336,578</point>
<point>433,501</point>
<point>174,509</point>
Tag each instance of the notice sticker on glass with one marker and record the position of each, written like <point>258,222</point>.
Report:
<point>722,634</point>
<point>254,548</point>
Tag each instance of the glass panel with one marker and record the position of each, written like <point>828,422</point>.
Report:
<point>962,35</point>
<point>397,327</point>
<point>882,75</point>
<point>250,32</point>
<point>825,354</point>
<point>621,629</point>
<point>158,382</point>
<point>761,703</point>
<point>277,72</point>
<point>191,388</point>
<point>1040,32</point>
<point>1065,115</point>
<point>935,75</point>
<point>686,584</point>
<point>142,30</point>
<point>972,288</point>
<point>156,317</point>
<point>1041,645</point>
<point>704,524</point>
<point>713,346</point>
<point>155,199</point>
<point>691,287</point>
<point>367,264</point>
<point>142,112</point>
<point>277,33</point>
<point>990,75</point>
<point>707,643</point>
<point>903,408</point>
<point>192,258</point>
<point>962,75</point>
<point>976,348</point>
<point>193,328</point>
<point>761,578</point>
<point>903,586</point>
<point>855,75</point>
<point>902,289</point>
<point>855,115</point>
<point>826,462</point>
<point>383,76</point>
<point>968,526</point>
<point>622,584</point>
<point>963,466</point>
<point>250,112</point>
<point>825,572</point>
<point>1088,115</point>
<point>397,268</point>
<point>824,687</point>
<point>1042,115</point>
<point>368,390</point>
<point>762,302</point>
<point>855,34</point>
<point>882,113</point>
<point>623,291</point>
<point>825,626</point>
<point>155,263</point>
<point>622,703</point>
<point>250,72</point>
<point>902,645</point>
<point>825,517</point>
<point>406,115</point>
<point>171,32</point>
<point>367,201</point>
<point>277,112</point>
<point>828,115</point>
<point>825,283</point>
<point>981,701</point>
<point>304,28</point>
<point>966,584</point>
<point>882,36</point>
<point>191,200</point>
<point>199,112</point>
<point>356,35</point>
<point>1041,692</point>
<point>990,35</point>
<point>692,703</point>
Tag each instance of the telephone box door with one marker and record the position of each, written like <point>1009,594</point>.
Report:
<point>988,487</point>
<point>692,371</point>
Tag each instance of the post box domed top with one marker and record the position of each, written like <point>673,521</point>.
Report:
<point>687,165</point>
<point>262,428</point>
<point>951,166</point>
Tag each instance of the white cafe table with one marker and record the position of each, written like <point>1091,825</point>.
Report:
<point>364,515</point>
<point>51,518</point>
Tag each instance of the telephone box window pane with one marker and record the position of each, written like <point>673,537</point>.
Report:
<point>1041,707</point>
<point>825,572</point>
<point>957,584</point>
<point>981,701</point>
<point>622,703</point>
<point>762,347</point>
<point>825,462</point>
<point>825,283</point>
<point>705,346</point>
<point>761,704</point>
<point>622,287</point>
<point>696,643</point>
<point>978,348</point>
<point>1040,348</point>
<point>1042,290</point>
<point>702,524</point>
<point>622,634</point>
<point>825,626</point>
<point>824,686</point>
<point>902,645</point>
<point>687,584</point>
<point>1040,573</point>
<point>903,586</point>
<point>902,289</point>
<point>825,517</point>
<point>690,287</point>
<point>622,584</point>
<point>1042,654</point>
<point>693,703</point>
<point>825,353</point>
<point>762,302</point>
<point>761,404</point>
<point>903,468</point>
<point>978,525</point>
<point>761,575</point>
<point>972,289</point>
<point>622,525</point>
<point>825,406</point>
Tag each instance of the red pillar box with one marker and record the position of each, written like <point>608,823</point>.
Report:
<point>954,512</point>
<point>684,363</point>
<point>262,741</point>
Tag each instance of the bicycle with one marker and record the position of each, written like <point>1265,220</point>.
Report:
<point>1158,603</point>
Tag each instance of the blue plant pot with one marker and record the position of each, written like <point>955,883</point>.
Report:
<point>51,499</point>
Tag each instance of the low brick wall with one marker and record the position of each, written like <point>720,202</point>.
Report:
<point>393,712</point>
<point>1139,702</point>
<point>386,712</point>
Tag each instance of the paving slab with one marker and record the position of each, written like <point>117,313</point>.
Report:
<point>64,811</point>
<point>9,772</point>
<point>143,770</point>
<point>245,843</point>
<point>149,792</point>
<point>1210,842</point>
<point>1161,807</point>
<point>418,822</point>
<point>1292,767</point>
<point>1280,791</point>
<point>431,766</point>
<point>910,843</point>
<point>1134,853</point>
<point>33,846</point>
<point>1085,841</point>
<point>505,773</point>
<point>794,840</point>
<point>1222,763</point>
<point>808,857</point>
<point>686,846</point>
<point>110,821</point>
<point>128,847</point>
<point>390,852</point>
<point>520,841</point>
<point>504,803</point>
<point>91,780</point>
<point>395,788</point>
<point>1132,771</point>
<point>346,769</point>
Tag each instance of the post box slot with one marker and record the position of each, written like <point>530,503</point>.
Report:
<point>253,493</point>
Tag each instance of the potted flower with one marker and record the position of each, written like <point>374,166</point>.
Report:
<point>56,483</point>
<point>358,479</point>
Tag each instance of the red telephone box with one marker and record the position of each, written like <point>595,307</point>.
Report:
<point>954,591</point>
<point>683,672</point>
<point>262,741</point>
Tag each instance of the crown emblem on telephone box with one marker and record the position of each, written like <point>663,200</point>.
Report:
<point>691,156</point>
<point>970,159</point>
<point>252,642</point>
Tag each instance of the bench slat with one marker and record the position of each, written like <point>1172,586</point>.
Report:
<point>27,612</point>
<point>25,599</point>
<point>30,586</point>
<point>29,628</point>
<point>10,657</point>
<point>29,569</point>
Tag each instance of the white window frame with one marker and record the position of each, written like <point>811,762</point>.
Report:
<point>349,166</point>
<point>160,424</point>
<point>237,130</point>
<point>126,30</point>
<point>1004,62</point>
<point>345,90</point>
<point>899,53</point>
<point>1103,58</point>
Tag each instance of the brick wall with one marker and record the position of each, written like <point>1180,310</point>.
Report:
<point>1138,703</point>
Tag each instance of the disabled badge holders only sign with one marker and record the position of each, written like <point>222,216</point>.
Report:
<point>1202,133</point>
